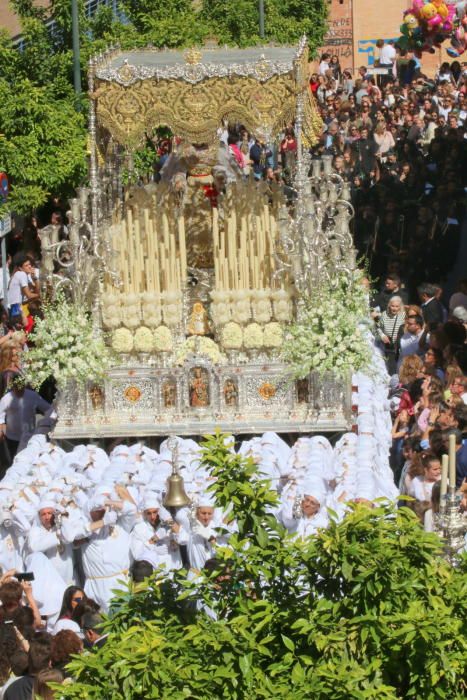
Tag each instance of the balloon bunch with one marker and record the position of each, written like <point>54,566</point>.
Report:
<point>459,35</point>
<point>428,23</point>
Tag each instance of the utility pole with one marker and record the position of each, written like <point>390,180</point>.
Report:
<point>261,18</point>
<point>76,56</point>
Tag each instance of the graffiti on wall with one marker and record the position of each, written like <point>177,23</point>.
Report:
<point>368,47</point>
<point>338,40</point>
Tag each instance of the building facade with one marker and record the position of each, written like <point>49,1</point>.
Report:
<point>356,25</point>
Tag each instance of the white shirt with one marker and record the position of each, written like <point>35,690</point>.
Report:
<point>421,489</point>
<point>19,412</point>
<point>387,55</point>
<point>17,283</point>
<point>323,67</point>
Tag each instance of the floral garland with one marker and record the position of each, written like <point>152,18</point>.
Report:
<point>198,345</point>
<point>64,346</point>
<point>330,335</point>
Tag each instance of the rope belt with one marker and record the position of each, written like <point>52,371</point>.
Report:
<point>98,578</point>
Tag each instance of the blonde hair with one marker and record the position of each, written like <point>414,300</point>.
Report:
<point>452,372</point>
<point>410,368</point>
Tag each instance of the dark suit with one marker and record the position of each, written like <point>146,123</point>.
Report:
<point>433,313</point>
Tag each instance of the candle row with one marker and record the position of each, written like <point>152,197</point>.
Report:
<point>244,231</point>
<point>150,247</point>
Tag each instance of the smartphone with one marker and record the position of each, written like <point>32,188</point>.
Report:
<point>26,576</point>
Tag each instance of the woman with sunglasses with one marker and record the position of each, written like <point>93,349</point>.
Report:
<point>73,596</point>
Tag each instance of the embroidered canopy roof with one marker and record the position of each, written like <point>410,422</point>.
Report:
<point>194,91</point>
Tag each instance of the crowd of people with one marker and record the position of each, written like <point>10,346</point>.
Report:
<point>81,523</point>
<point>399,139</point>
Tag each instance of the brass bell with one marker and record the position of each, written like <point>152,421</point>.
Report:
<point>175,496</point>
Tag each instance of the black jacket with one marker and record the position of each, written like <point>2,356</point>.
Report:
<point>433,313</point>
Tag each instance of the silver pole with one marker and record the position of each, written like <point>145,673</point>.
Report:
<point>5,274</point>
<point>76,55</point>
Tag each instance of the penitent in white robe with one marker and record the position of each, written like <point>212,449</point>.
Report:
<point>203,540</point>
<point>106,562</point>
<point>10,550</point>
<point>59,554</point>
<point>165,552</point>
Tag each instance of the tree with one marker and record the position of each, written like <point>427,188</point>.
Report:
<point>237,21</point>
<point>366,609</point>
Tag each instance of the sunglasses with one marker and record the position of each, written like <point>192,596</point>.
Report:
<point>78,599</point>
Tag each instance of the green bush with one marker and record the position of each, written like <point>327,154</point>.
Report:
<point>366,609</point>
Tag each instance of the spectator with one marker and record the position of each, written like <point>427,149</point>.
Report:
<point>18,414</point>
<point>392,288</point>
<point>459,298</point>
<point>421,486</point>
<point>324,64</point>
<point>65,644</point>
<point>93,632</point>
<point>23,287</point>
<point>408,343</point>
<point>39,657</point>
<point>388,327</point>
<point>432,309</point>
<point>42,689</point>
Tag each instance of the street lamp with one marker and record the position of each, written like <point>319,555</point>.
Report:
<point>76,57</point>
<point>261,18</point>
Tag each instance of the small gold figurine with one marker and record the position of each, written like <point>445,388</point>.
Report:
<point>198,323</point>
<point>96,394</point>
<point>199,392</point>
<point>169,393</point>
<point>230,393</point>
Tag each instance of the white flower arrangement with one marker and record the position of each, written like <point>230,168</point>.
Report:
<point>144,339</point>
<point>172,308</point>
<point>241,306</point>
<point>199,345</point>
<point>131,310</point>
<point>282,305</point>
<point>273,335</point>
<point>253,336</point>
<point>232,336</point>
<point>163,339</point>
<point>65,347</point>
<point>328,337</point>
<point>261,305</point>
<point>220,312</point>
<point>220,296</point>
<point>122,340</point>
<point>111,311</point>
<point>151,309</point>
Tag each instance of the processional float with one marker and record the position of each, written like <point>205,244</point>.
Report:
<point>194,279</point>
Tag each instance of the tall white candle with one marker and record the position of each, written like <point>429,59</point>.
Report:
<point>444,475</point>
<point>452,460</point>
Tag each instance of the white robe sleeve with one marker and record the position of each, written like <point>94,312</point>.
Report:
<point>128,517</point>
<point>139,541</point>
<point>41,540</point>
